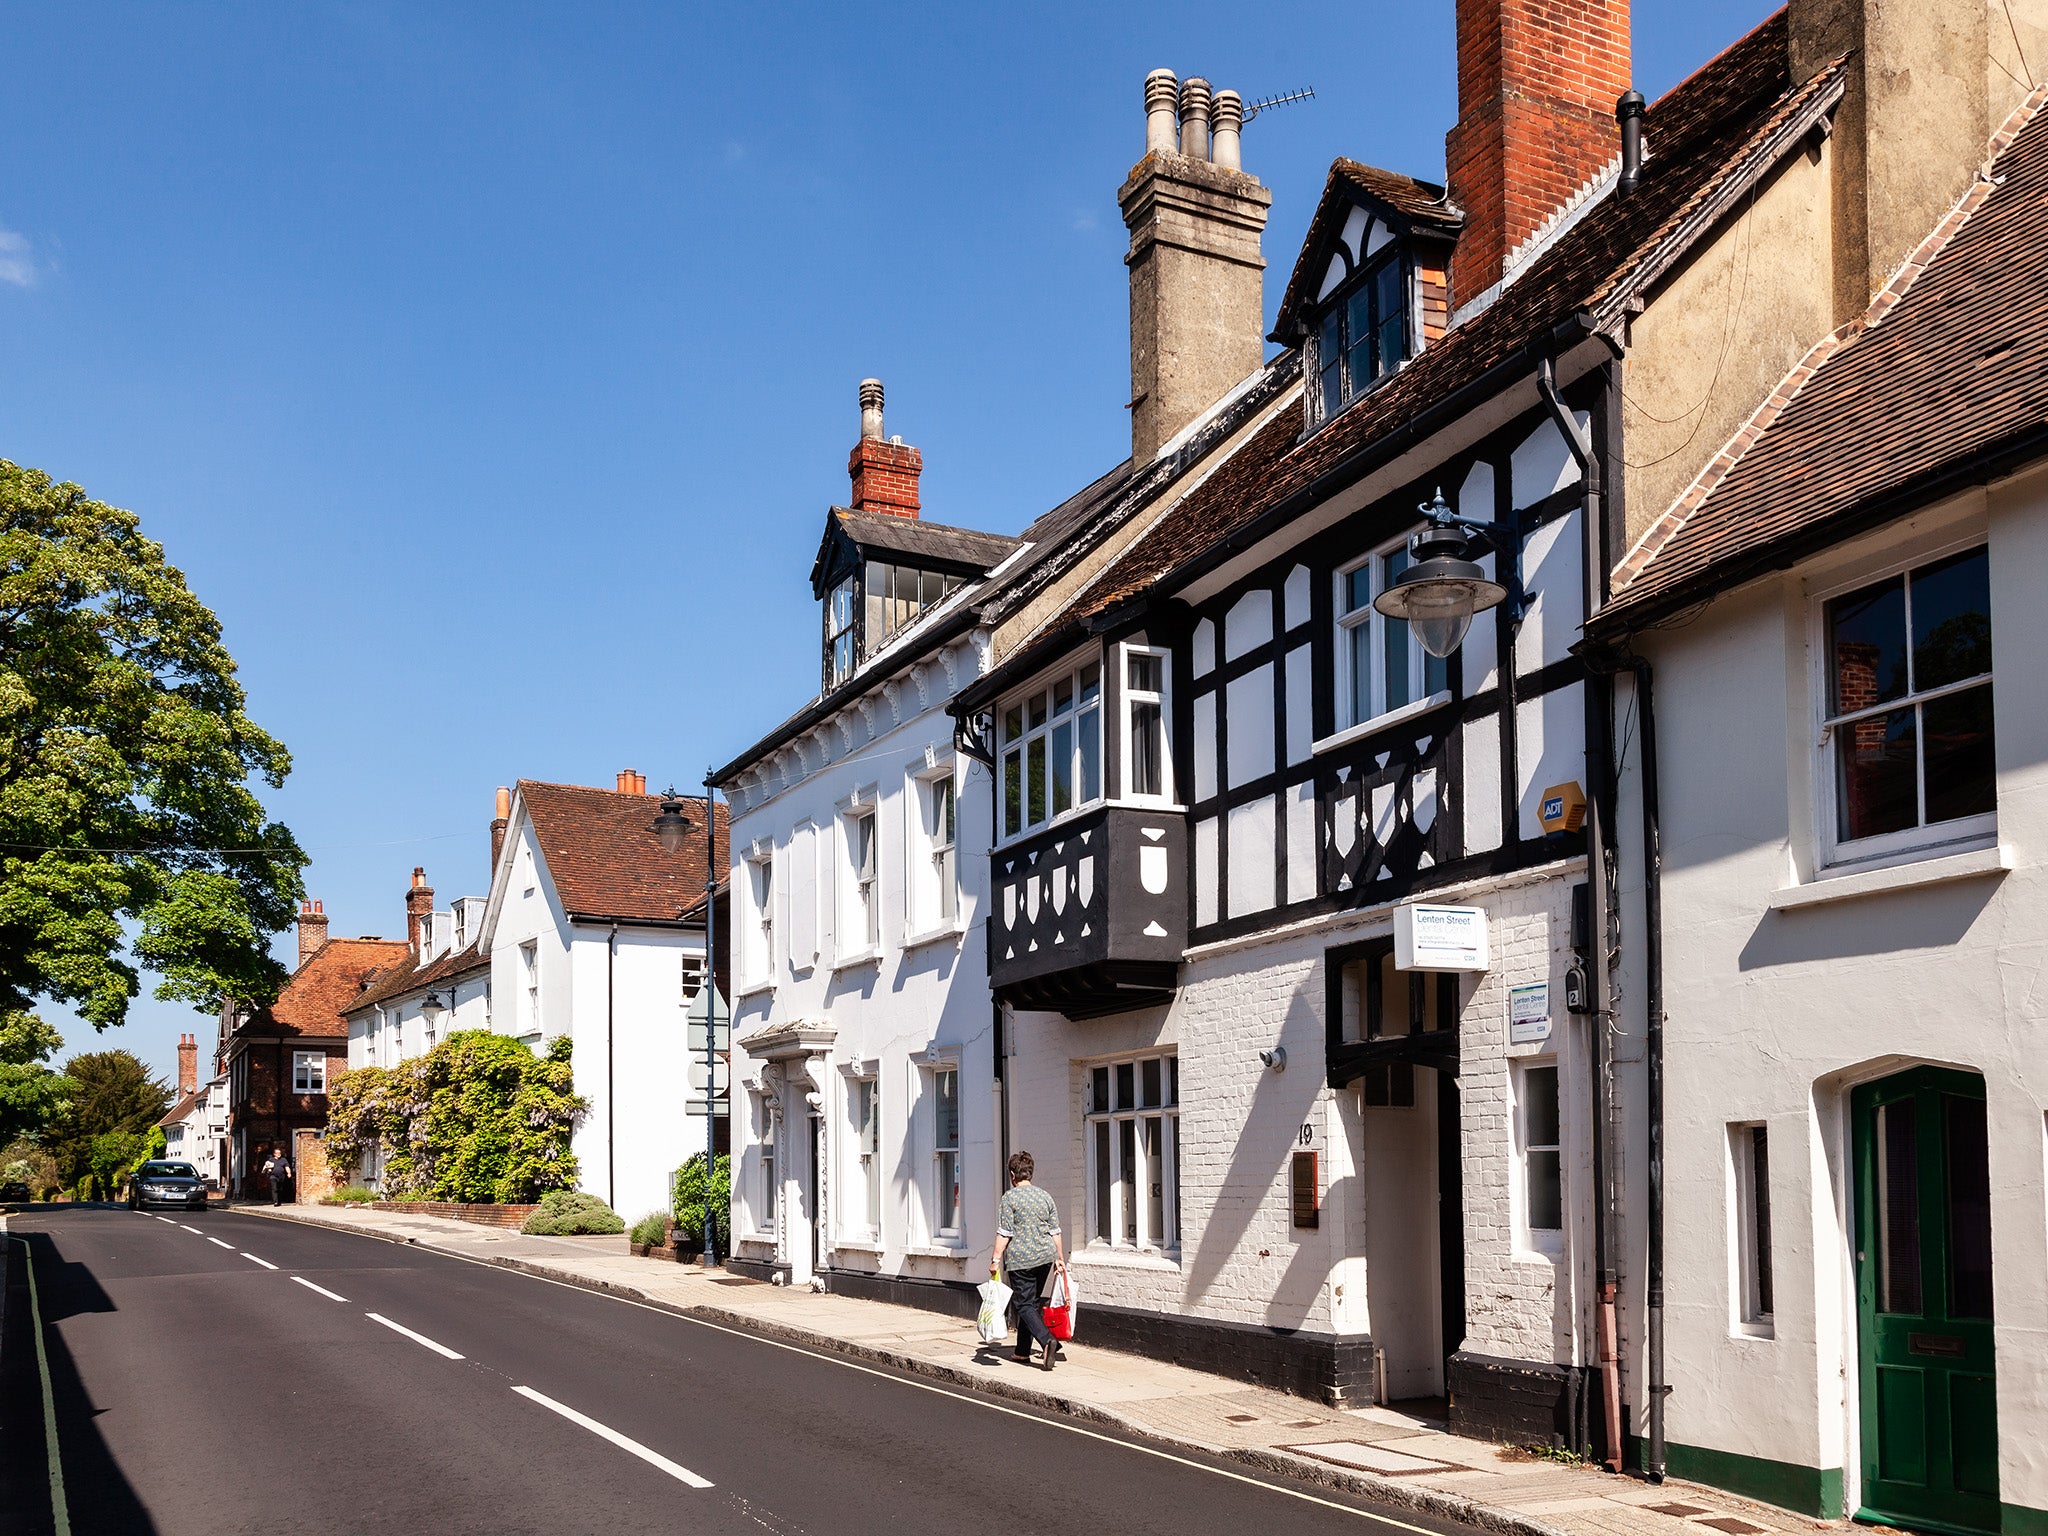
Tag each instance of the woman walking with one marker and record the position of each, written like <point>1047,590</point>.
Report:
<point>1027,1248</point>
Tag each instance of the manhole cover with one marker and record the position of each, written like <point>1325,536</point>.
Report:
<point>1733,1526</point>
<point>1242,1418</point>
<point>1680,1510</point>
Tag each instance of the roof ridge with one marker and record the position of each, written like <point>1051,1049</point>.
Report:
<point>1717,469</point>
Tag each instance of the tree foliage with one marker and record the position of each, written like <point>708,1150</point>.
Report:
<point>693,1191</point>
<point>477,1118</point>
<point>31,1094</point>
<point>126,760</point>
<point>115,1097</point>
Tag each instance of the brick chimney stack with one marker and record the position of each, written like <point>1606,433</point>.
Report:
<point>419,911</point>
<point>885,473</point>
<point>1197,275</point>
<point>1537,84</point>
<point>631,782</point>
<point>312,929</point>
<point>188,1064</point>
<point>500,819</point>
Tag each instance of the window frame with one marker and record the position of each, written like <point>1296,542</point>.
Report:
<point>1085,715</point>
<point>1835,853</point>
<point>1347,620</point>
<point>767,1206</point>
<point>529,970</point>
<point>1751,1280</point>
<point>1530,1238</point>
<point>757,950</point>
<point>864,1092</point>
<point>306,1066</point>
<point>859,932</point>
<point>933,1182</point>
<point>1099,1180</point>
<point>1130,696</point>
<point>1362,280</point>
<point>932,905</point>
<point>848,631</point>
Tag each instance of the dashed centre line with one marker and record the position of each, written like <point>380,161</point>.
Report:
<point>193,1230</point>
<point>605,1432</point>
<point>309,1285</point>
<point>254,1260</point>
<point>217,1242</point>
<point>418,1338</point>
<point>167,1221</point>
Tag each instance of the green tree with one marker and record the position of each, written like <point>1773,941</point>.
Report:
<point>115,1096</point>
<point>31,1094</point>
<point>126,761</point>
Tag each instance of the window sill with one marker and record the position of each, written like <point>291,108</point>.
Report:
<point>1527,1252</point>
<point>857,1245</point>
<point>1978,862</point>
<point>1761,1331</point>
<point>934,1251</point>
<point>947,935</point>
<point>1040,830</point>
<point>1379,723</point>
<point>1124,1258</point>
<point>856,961</point>
<point>754,989</point>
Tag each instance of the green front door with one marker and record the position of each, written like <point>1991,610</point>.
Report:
<point>1923,1302</point>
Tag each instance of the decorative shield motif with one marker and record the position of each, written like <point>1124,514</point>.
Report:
<point>1009,906</point>
<point>1059,888</point>
<point>1084,880</point>
<point>1031,899</point>
<point>1152,869</point>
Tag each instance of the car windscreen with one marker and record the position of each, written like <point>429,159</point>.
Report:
<point>169,1171</point>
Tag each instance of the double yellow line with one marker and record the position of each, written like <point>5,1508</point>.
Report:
<point>60,1510</point>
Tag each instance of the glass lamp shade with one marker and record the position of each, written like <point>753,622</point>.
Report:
<point>672,827</point>
<point>431,1005</point>
<point>1439,598</point>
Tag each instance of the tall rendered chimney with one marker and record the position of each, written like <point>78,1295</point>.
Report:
<point>188,1064</point>
<point>500,819</point>
<point>1537,86</point>
<point>312,929</point>
<point>419,912</point>
<point>885,473</point>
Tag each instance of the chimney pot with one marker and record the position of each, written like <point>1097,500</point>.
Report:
<point>188,1064</point>
<point>1162,122</point>
<point>1194,118</point>
<point>312,930</point>
<point>871,408</point>
<point>884,472</point>
<point>1226,129</point>
<point>500,817</point>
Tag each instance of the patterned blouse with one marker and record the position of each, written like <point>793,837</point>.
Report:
<point>1029,1219</point>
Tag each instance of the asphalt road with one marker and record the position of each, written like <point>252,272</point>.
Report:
<point>345,1384</point>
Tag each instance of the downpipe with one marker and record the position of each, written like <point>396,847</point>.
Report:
<point>1653,1053</point>
<point>1599,800</point>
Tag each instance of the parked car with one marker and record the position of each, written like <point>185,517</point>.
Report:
<point>166,1183</point>
<point>15,1192</point>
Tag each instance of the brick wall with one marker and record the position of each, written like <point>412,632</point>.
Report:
<point>885,477</point>
<point>512,1217</point>
<point>1537,84</point>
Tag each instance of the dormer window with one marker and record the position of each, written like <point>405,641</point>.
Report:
<point>840,608</point>
<point>1363,335</point>
<point>864,609</point>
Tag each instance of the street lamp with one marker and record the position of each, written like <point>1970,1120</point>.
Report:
<point>671,825</point>
<point>673,828</point>
<point>1444,588</point>
<point>433,1006</point>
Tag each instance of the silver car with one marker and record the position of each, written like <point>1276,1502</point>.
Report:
<point>166,1183</point>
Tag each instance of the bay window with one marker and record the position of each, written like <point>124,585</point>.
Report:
<point>1381,666</point>
<point>1051,750</point>
<point>1907,727</point>
<point>1147,767</point>
<point>1132,1137</point>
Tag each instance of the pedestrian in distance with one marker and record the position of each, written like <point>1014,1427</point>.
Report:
<point>279,1172</point>
<point>1028,1249</point>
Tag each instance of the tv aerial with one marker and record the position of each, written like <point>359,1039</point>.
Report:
<point>1285,98</point>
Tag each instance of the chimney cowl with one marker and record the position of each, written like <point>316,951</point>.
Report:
<point>1162,113</point>
<point>871,409</point>
<point>1226,130</point>
<point>884,472</point>
<point>1628,113</point>
<point>1194,118</point>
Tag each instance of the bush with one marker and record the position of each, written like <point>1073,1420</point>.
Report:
<point>569,1213</point>
<point>690,1187</point>
<point>651,1229</point>
<point>352,1194</point>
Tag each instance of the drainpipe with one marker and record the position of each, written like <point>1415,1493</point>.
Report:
<point>1599,800</point>
<point>611,1096</point>
<point>1653,1052</point>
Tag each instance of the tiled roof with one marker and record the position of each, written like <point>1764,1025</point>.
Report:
<point>606,861</point>
<point>920,540</point>
<point>1421,203</point>
<point>410,976</point>
<point>313,1001</point>
<point>1946,367</point>
<point>1709,135</point>
<point>183,1107</point>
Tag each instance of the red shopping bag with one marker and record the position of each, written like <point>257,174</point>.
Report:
<point>1061,1305</point>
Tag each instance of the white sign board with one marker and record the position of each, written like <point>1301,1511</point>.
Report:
<point>1529,1013</point>
<point>1432,938</point>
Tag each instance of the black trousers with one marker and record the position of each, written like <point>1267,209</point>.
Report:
<point>1028,1287</point>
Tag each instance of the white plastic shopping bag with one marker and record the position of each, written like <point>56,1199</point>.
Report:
<point>993,1323</point>
<point>1062,1305</point>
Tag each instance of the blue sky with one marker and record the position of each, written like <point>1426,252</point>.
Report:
<point>488,369</point>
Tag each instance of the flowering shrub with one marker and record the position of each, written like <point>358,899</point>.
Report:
<point>570,1213</point>
<point>478,1118</point>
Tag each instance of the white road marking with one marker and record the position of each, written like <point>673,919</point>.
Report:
<point>309,1285</point>
<point>418,1338</point>
<point>603,1432</point>
<point>60,1507</point>
<point>254,1260</point>
<point>167,1221</point>
<point>193,1230</point>
<point>229,1246</point>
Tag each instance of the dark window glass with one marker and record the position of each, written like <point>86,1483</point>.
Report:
<point>1013,793</point>
<point>1546,1192</point>
<point>1969,1210</point>
<point>1760,1213</point>
<point>1358,588</point>
<point>1062,767</point>
<point>1145,672</point>
<point>1540,1085</point>
<point>1358,338</point>
<point>1867,646</point>
<point>1102,1171</point>
<point>1391,316</point>
<point>1876,767</point>
<point>1126,1086</point>
<point>1330,353</point>
<point>1148,1082</point>
<point>1898,1209</point>
<point>1961,776</point>
<point>1127,1147</point>
<point>1034,773</point>
<point>1148,776</point>
<point>1098,1090</point>
<point>1952,620</point>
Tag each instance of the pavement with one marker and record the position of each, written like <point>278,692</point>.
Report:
<point>1392,1458</point>
<point>221,1371</point>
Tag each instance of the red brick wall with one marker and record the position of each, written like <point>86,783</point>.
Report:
<point>1537,83</point>
<point>885,477</point>
<point>509,1216</point>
